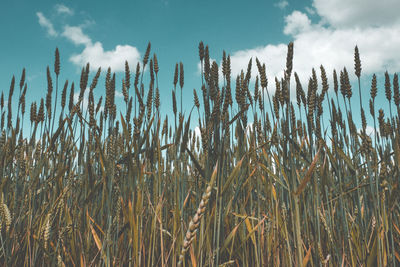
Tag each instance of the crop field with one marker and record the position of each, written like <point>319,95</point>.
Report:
<point>277,173</point>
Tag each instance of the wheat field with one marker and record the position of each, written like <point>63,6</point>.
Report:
<point>273,179</point>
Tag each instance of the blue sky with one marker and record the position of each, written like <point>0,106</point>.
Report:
<point>108,33</point>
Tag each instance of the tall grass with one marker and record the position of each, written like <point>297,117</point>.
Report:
<point>124,187</point>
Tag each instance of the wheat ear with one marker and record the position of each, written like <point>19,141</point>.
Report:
<point>195,222</point>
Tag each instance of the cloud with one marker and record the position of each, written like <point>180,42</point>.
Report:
<point>93,52</point>
<point>45,23</point>
<point>297,22</point>
<point>197,133</point>
<point>309,10</point>
<point>98,57</point>
<point>331,41</point>
<point>76,35</point>
<point>370,131</point>
<point>118,94</point>
<point>281,4</point>
<point>62,9</point>
<point>358,13</point>
<point>274,57</point>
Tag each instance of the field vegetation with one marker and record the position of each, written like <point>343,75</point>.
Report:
<point>273,179</point>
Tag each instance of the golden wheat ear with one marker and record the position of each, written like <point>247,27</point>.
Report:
<point>194,224</point>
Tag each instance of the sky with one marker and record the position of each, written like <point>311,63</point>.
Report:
<point>106,33</point>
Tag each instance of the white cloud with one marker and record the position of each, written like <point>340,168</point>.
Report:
<point>309,10</point>
<point>93,52</point>
<point>76,35</point>
<point>282,4</point>
<point>118,94</point>
<point>297,22</point>
<point>358,13</point>
<point>197,133</point>
<point>62,9</point>
<point>274,57</point>
<point>249,129</point>
<point>98,57</point>
<point>324,42</point>
<point>370,131</point>
<point>45,23</point>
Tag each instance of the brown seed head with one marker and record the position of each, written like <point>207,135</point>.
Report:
<point>371,108</point>
<point>99,104</point>
<point>146,55</point>
<point>91,109</point>
<point>149,102</point>
<point>127,76</point>
<point>137,75</point>
<point>181,75</point>
<point>311,97</point>
<point>201,50</point>
<point>357,62</point>
<point>157,99</point>
<point>82,85</point>
<point>275,100</point>
<point>278,92</point>
<point>40,115</point>
<point>71,97</point>
<point>49,82</point>
<point>263,76</point>
<point>176,75</point>
<point>151,71</point>
<point>49,92</point>
<point>33,112</point>
<point>314,80</point>
<point>22,100</point>
<point>228,70</point>
<point>381,121</point>
<point>64,94</point>
<point>248,72</point>
<point>256,89</point>
<point>396,95</point>
<point>165,127</point>
<point>374,88</point>
<point>289,60</point>
<point>57,62</point>
<point>155,61</point>
<point>22,81</point>
<point>125,91</point>
<point>206,63</point>
<point>388,91</point>
<point>11,92</point>
<point>196,99</point>
<point>95,79</point>
<point>363,119</point>
<point>299,88</point>
<point>335,82</point>
<point>173,102</point>
<point>224,63</point>
<point>324,79</point>
<point>260,101</point>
